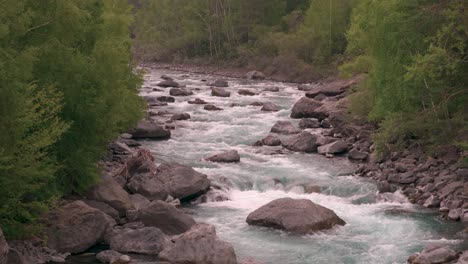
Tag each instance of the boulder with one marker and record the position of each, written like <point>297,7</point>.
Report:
<point>255,75</point>
<point>355,154</point>
<point>271,140</point>
<point>147,129</point>
<point>246,92</point>
<point>434,254</point>
<point>332,88</point>
<point>305,108</point>
<point>463,258</point>
<point>197,101</point>
<point>167,99</point>
<point>166,217</point>
<point>219,83</point>
<point>180,92</point>
<point>336,147</point>
<point>299,216</point>
<point>256,104</point>
<point>210,107</point>
<point>271,89</point>
<point>284,127</point>
<point>181,116</point>
<point>33,252</point>
<point>181,181</point>
<point>270,107</point>
<point>76,227</point>
<point>168,83</point>
<point>3,249</point>
<point>229,156</point>
<point>303,142</point>
<point>148,185</point>
<point>200,245</point>
<point>104,207</point>
<point>220,92</point>
<point>145,240</point>
<point>309,123</point>
<point>111,193</point>
<point>112,257</point>
<point>139,201</point>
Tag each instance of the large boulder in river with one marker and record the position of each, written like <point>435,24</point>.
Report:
<point>332,88</point>
<point>180,116</point>
<point>255,75</point>
<point>112,257</point>
<point>197,101</point>
<point>434,254</point>
<point>284,127</point>
<point>76,227</point>
<point>181,181</point>
<point>166,217</point>
<point>200,245</point>
<point>303,142</point>
<point>210,107</point>
<point>3,249</point>
<point>309,123</point>
<point>271,140</point>
<point>336,147</point>
<point>229,156</point>
<point>305,108</point>
<point>246,92</point>
<point>168,83</point>
<point>220,92</point>
<point>219,83</point>
<point>180,92</point>
<point>148,185</point>
<point>147,129</point>
<point>111,193</point>
<point>299,216</point>
<point>146,240</point>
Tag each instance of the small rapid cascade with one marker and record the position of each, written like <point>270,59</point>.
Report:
<point>381,228</point>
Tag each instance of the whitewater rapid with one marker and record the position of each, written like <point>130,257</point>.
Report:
<point>379,229</point>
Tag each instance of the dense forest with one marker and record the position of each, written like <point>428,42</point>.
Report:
<point>69,85</point>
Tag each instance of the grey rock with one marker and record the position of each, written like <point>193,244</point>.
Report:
<point>147,129</point>
<point>111,193</point>
<point>454,214</point>
<point>180,116</point>
<point>139,201</point>
<point>355,154</point>
<point>255,75</point>
<point>76,227</point>
<point>229,156</point>
<point>463,259</point>
<point>33,252</point>
<point>309,123</point>
<point>431,202</point>
<point>271,89</point>
<point>104,207</point>
<point>407,178</point>
<point>210,107</point>
<point>112,257</point>
<point>450,188</point>
<point>168,83</point>
<point>146,240</point>
<point>270,107</point>
<point>336,147</point>
<point>435,254</point>
<point>303,142</point>
<point>167,99</point>
<point>284,127</point>
<point>148,185</point>
<point>332,88</point>
<point>305,108</point>
<point>166,217</point>
<point>220,92</point>
<point>219,83</point>
<point>299,216</point>
<point>246,92</point>
<point>271,140</point>
<point>200,245</point>
<point>197,101</point>
<point>180,92</point>
<point>181,181</point>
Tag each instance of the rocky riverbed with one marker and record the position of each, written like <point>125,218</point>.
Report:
<point>236,170</point>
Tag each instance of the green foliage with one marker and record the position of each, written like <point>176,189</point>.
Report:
<point>415,53</point>
<point>67,88</point>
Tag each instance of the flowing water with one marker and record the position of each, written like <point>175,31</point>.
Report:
<point>378,230</point>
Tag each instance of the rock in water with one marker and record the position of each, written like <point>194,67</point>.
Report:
<point>166,217</point>
<point>299,216</point>
<point>270,107</point>
<point>146,240</point>
<point>168,83</point>
<point>229,156</point>
<point>111,257</point>
<point>147,129</point>
<point>355,154</point>
<point>336,147</point>
<point>210,107</point>
<point>305,108</point>
<point>220,92</point>
<point>181,181</point>
<point>3,249</point>
<point>197,101</point>
<point>180,92</point>
<point>246,92</point>
<point>219,83</point>
<point>434,254</point>
<point>284,127</point>
<point>200,245</point>
<point>110,192</point>
<point>255,75</point>
<point>309,123</point>
<point>76,227</point>
<point>181,116</point>
<point>303,142</point>
<point>271,140</point>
